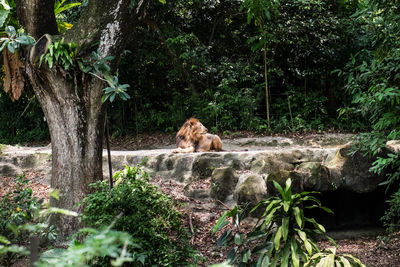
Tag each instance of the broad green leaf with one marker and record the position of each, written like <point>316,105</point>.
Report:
<point>316,225</point>
<point>330,260</point>
<point>224,237</point>
<point>354,259</point>
<point>50,61</point>
<point>52,254</point>
<point>5,5</point>
<point>279,188</point>
<point>327,209</point>
<point>285,227</point>
<point>263,248</point>
<point>270,216</point>
<point>4,240</point>
<point>5,43</point>
<point>4,12</point>
<point>246,255</point>
<point>25,40</point>
<point>305,240</point>
<point>298,216</point>
<point>238,238</point>
<point>65,7</point>
<point>285,255</point>
<point>232,254</point>
<point>263,261</point>
<point>277,238</point>
<point>288,185</point>
<point>112,97</point>
<point>11,47</point>
<point>295,254</point>
<point>255,235</point>
<point>53,210</point>
<point>220,223</point>
<point>345,261</point>
<point>10,31</point>
<point>286,205</point>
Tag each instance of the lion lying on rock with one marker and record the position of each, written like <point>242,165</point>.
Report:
<point>193,137</point>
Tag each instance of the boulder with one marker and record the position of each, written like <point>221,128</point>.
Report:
<point>351,172</point>
<point>9,170</point>
<point>204,164</point>
<point>251,191</point>
<point>314,176</point>
<point>223,182</point>
<point>267,165</point>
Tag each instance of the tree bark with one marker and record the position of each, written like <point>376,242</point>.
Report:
<point>71,101</point>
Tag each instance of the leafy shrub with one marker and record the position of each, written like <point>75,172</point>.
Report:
<point>293,240</point>
<point>298,112</point>
<point>148,215</point>
<point>17,207</point>
<point>98,246</point>
<point>244,245</point>
<point>19,218</point>
<point>391,219</point>
<point>330,258</point>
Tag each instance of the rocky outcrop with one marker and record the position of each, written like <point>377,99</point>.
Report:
<point>243,172</point>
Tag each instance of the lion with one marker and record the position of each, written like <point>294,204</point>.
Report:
<point>193,137</point>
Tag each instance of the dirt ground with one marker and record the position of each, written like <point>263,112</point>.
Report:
<point>201,215</point>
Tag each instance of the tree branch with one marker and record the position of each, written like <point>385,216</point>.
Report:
<point>107,25</point>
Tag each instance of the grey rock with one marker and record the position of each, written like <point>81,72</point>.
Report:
<point>251,191</point>
<point>223,182</point>
<point>9,170</point>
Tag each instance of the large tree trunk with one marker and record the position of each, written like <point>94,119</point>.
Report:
<point>71,101</point>
<point>75,116</point>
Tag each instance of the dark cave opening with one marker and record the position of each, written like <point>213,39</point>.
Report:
<point>351,210</point>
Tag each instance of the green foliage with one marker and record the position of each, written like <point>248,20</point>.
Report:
<point>19,217</point>
<point>259,10</point>
<point>5,10</point>
<point>17,207</point>
<point>59,53</point>
<point>299,113</point>
<point>98,66</point>
<point>26,217</point>
<point>391,218</point>
<point>291,244</point>
<point>97,245</point>
<point>15,39</point>
<point>293,239</point>
<point>115,89</point>
<point>390,164</point>
<point>8,252</point>
<point>59,7</point>
<point>249,249</point>
<point>373,82</point>
<point>330,258</point>
<point>148,215</point>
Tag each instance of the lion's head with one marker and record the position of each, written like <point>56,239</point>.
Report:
<point>192,130</point>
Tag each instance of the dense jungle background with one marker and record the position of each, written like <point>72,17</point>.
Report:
<point>328,63</point>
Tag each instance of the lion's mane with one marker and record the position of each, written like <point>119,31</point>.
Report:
<point>193,137</point>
